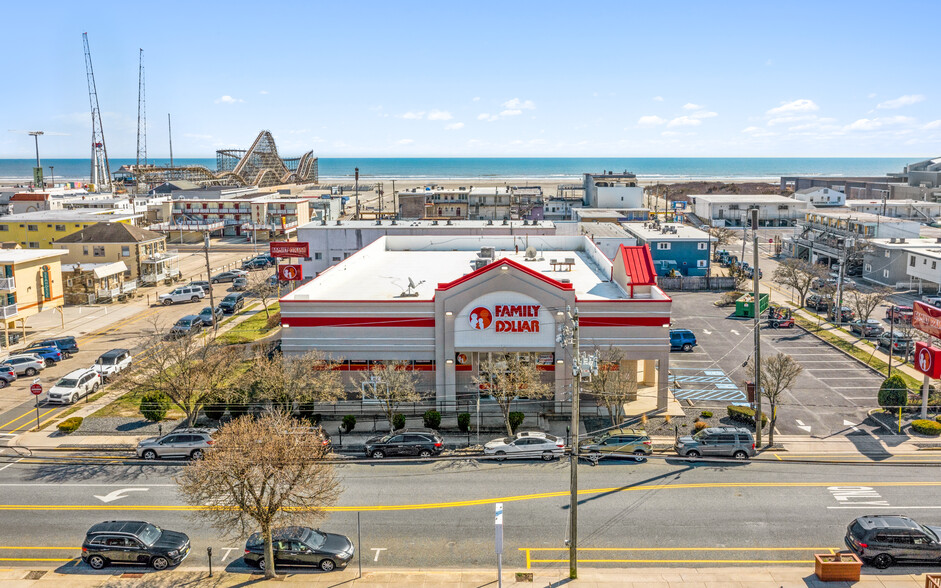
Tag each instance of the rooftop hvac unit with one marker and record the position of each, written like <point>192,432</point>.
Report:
<point>486,253</point>
<point>480,263</point>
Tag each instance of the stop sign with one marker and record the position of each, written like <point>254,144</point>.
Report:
<point>36,389</point>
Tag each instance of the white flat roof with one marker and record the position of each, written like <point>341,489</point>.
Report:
<point>381,271</point>
<point>932,253</point>
<point>909,243</point>
<point>745,198</point>
<point>683,232</point>
<point>22,255</point>
<point>857,216</point>
<point>405,225</point>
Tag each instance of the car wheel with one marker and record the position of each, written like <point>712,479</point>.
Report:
<point>214,282</point>
<point>149,454</point>
<point>194,299</point>
<point>740,455</point>
<point>196,454</point>
<point>327,565</point>
<point>3,383</point>
<point>378,454</point>
<point>882,561</point>
<point>424,453</point>
<point>501,455</point>
<point>97,562</point>
<point>94,388</point>
<point>693,453</point>
<point>687,347</point>
<point>547,456</point>
<point>73,399</point>
<point>639,455</point>
<point>159,563</point>
<point>31,371</point>
<point>261,563</point>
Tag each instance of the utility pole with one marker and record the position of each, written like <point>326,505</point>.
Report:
<point>52,175</point>
<point>356,192</point>
<point>212,302</point>
<point>170,136</point>
<point>757,317</point>
<point>37,171</point>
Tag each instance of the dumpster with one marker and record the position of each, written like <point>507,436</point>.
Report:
<point>745,306</point>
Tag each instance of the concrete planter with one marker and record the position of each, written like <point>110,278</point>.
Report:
<point>837,567</point>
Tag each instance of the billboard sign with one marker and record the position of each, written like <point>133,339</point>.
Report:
<point>927,319</point>
<point>928,360</point>
<point>290,273</point>
<point>289,249</point>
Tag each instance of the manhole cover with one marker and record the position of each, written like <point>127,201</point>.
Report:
<point>132,575</point>
<point>35,575</point>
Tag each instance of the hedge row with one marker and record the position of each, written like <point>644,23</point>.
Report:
<point>70,425</point>
<point>926,427</point>
<point>746,415</point>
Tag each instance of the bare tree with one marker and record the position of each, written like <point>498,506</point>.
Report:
<point>189,370</point>
<point>508,376</point>
<point>778,373</point>
<point>614,384</point>
<point>865,303</point>
<point>261,474</point>
<point>799,275</point>
<point>391,384</point>
<point>723,236</point>
<point>737,273</point>
<point>260,286</point>
<point>286,382</point>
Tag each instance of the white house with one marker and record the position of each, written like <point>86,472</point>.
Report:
<point>820,197</point>
<point>728,210</point>
<point>612,190</point>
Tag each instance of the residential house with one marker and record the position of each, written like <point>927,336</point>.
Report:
<point>111,243</point>
<point>821,197</point>
<point>96,282</point>
<point>885,261</point>
<point>730,210</point>
<point>674,247</point>
<point>39,230</point>
<point>31,283</point>
<point>612,190</point>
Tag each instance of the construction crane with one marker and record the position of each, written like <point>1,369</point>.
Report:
<point>141,121</point>
<point>100,168</point>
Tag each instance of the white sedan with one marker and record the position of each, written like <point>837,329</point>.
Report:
<point>526,445</point>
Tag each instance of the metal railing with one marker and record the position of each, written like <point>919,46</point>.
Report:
<point>9,311</point>
<point>154,278</point>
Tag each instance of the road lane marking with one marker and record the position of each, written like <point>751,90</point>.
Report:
<point>35,559</point>
<point>47,548</point>
<point>118,494</point>
<point>39,420</point>
<point>850,494</point>
<point>378,550</point>
<point>11,463</point>
<point>867,505</point>
<point>227,551</point>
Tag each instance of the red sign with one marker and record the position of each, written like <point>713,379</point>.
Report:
<point>510,318</point>
<point>290,273</point>
<point>480,318</point>
<point>927,318</point>
<point>289,249</point>
<point>928,360</point>
<point>36,389</point>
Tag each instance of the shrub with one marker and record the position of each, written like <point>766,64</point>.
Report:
<point>432,419</point>
<point>214,411</point>
<point>463,422</point>
<point>893,392</point>
<point>273,321</point>
<point>700,425</point>
<point>306,412</point>
<point>154,406</point>
<point>516,419</point>
<point>237,409</point>
<point>744,414</point>
<point>398,421</point>
<point>938,418</point>
<point>349,423</point>
<point>926,427</point>
<point>706,414</point>
<point>70,424</point>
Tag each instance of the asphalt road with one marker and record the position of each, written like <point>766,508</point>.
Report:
<point>440,514</point>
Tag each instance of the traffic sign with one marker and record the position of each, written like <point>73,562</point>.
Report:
<point>36,389</point>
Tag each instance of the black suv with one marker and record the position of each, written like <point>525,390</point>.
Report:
<point>133,542</point>
<point>301,546</point>
<point>66,345</point>
<point>882,540</point>
<point>232,303</point>
<point>405,442</point>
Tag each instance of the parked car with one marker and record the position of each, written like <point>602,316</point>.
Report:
<point>74,385</point>
<point>881,540</point>
<point>260,262</point>
<point>734,442</point>
<point>867,328</point>
<point>404,442</point>
<point>846,314</point>
<point>67,345</point>
<point>52,354</point>
<point>817,302</point>
<point>7,375</point>
<point>205,285</point>
<point>301,546</point>
<point>682,339</point>
<point>750,273</point>
<point>133,542</point>
<point>225,277</point>
<point>183,294</point>
<point>24,365</point>
<point>896,342</point>
<point>112,363</point>
<point>240,284</point>
<point>207,313</point>
<point>527,444</point>
<point>190,443</point>
<point>622,442</point>
<point>186,326</point>
<point>932,299</point>
<point>232,303</point>
<point>900,314</point>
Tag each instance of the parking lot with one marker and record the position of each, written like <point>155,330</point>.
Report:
<point>831,396</point>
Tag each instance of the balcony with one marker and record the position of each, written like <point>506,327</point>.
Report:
<point>125,288</point>
<point>9,311</point>
<point>166,274</point>
<point>8,284</point>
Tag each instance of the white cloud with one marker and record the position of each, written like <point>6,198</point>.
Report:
<point>901,101</point>
<point>783,120</point>
<point>517,104</point>
<point>487,117</point>
<point>870,124</point>
<point>650,121</point>
<point>511,112</point>
<point>439,115</point>
<point>413,115</point>
<point>871,95</point>
<point>691,106</point>
<point>405,141</point>
<point>705,114</point>
<point>228,100</point>
<point>263,92</point>
<point>684,121</point>
<point>670,133</point>
<point>476,98</point>
<point>800,105</point>
<point>658,98</point>
<point>757,132</point>
<point>454,126</point>
<point>935,124</point>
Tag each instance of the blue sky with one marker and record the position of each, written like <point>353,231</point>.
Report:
<point>404,79</point>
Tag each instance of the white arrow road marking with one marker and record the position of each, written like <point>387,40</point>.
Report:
<point>118,494</point>
<point>801,425</point>
<point>846,423</point>
<point>707,332</point>
<point>377,550</point>
<point>734,332</point>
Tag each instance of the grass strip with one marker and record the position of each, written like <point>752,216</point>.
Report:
<point>251,329</point>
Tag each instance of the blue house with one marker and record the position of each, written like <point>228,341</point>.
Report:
<point>674,246</point>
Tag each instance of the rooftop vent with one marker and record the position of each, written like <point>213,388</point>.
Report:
<point>487,253</point>
<point>565,281</point>
<point>892,240</point>
<point>449,222</point>
<point>901,239</point>
<point>338,222</point>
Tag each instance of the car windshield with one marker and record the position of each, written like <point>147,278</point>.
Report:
<point>183,323</point>
<point>230,298</point>
<point>929,532</point>
<point>316,539</point>
<point>700,435</point>
<point>67,383</point>
<point>150,534</point>
<point>107,360</point>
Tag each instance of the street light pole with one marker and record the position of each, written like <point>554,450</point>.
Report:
<point>757,317</point>
<point>35,135</point>
<point>573,452</point>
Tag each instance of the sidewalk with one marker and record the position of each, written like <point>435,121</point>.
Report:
<point>741,577</point>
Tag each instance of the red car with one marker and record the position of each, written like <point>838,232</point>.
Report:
<point>900,314</point>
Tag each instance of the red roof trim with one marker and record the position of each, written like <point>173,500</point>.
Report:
<point>638,263</point>
<point>623,321</point>
<point>355,321</point>
<point>501,262</point>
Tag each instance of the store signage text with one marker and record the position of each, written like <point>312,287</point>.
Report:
<point>507,318</point>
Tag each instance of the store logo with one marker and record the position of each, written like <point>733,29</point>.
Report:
<point>924,360</point>
<point>481,318</point>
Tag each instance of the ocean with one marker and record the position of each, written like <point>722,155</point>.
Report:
<point>549,168</point>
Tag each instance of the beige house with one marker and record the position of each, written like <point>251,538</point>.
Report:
<point>113,242</point>
<point>96,282</point>
<point>31,282</point>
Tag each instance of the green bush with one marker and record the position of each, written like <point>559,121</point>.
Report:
<point>700,425</point>
<point>306,412</point>
<point>744,414</point>
<point>463,422</point>
<point>706,414</point>
<point>349,423</point>
<point>926,427</point>
<point>398,421</point>
<point>214,411</point>
<point>938,418</point>
<point>70,424</point>
<point>432,419</point>
<point>516,419</point>
<point>154,406</point>
<point>893,392</point>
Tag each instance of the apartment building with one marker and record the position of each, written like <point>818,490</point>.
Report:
<point>31,283</point>
<point>39,230</point>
